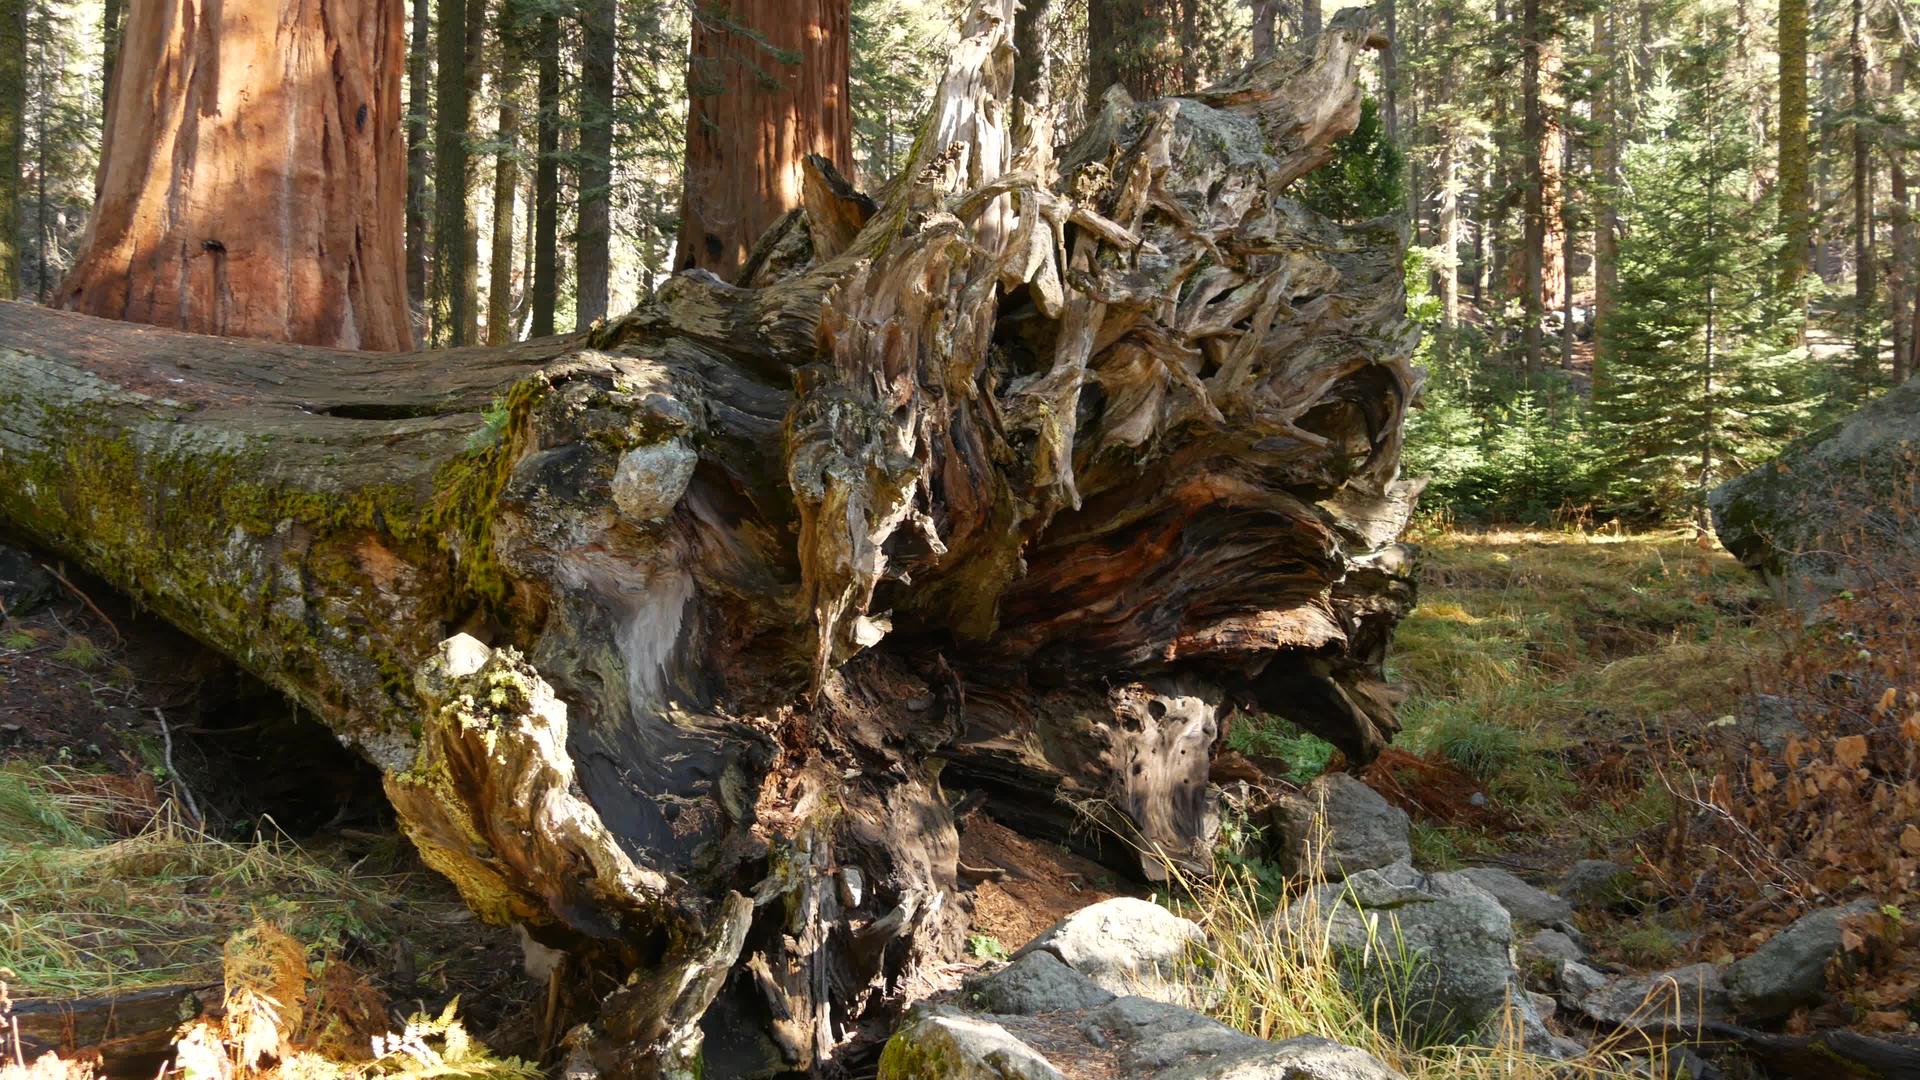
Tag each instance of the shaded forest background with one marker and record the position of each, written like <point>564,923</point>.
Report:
<point>1643,261</point>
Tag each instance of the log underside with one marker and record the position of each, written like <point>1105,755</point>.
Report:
<point>1022,480</point>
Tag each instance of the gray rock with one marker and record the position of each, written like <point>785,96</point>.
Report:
<point>1596,883</point>
<point>1786,519</point>
<point>1445,940</point>
<point>24,586</point>
<point>1548,948</point>
<point>944,1044</point>
<point>1346,823</point>
<point>1790,970</point>
<point>1524,902</point>
<point>649,481</point>
<point>1685,996</point>
<point>1036,983</point>
<point>1768,719</point>
<point>1532,1011</point>
<point>1577,981</point>
<point>1119,943</point>
<point>1166,1042</point>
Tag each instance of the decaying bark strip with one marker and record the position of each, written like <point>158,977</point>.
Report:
<point>674,641</point>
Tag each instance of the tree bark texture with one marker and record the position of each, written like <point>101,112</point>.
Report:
<point>419,159</point>
<point>511,34</point>
<point>767,85</point>
<point>13,133</point>
<point>674,640</point>
<point>1606,184</point>
<point>546,181</point>
<point>252,175</point>
<point>1796,190</point>
<point>1133,44</point>
<point>593,262</point>
<point>1866,335</point>
<point>452,319</point>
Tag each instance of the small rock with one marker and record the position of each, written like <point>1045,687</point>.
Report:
<point>1532,1011</point>
<point>1346,823</point>
<point>1596,883</point>
<point>1119,943</point>
<point>1768,719</point>
<point>943,1044</point>
<point>1524,902</point>
<point>1037,982</point>
<point>1790,970</point>
<point>649,481</point>
<point>1548,948</point>
<point>1578,981</point>
<point>24,586</point>
<point>1166,1042</point>
<point>1685,996</point>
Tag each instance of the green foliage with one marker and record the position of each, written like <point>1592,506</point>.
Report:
<point>1306,755</point>
<point>1366,177</point>
<point>986,947</point>
<point>1698,383</point>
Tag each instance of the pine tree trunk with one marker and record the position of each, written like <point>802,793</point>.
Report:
<point>592,259</point>
<point>1608,119</point>
<point>453,320</point>
<point>546,182</point>
<point>13,132</point>
<point>1023,527</point>
<point>1133,44</point>
<point>1796,191</point>
<point>110,16</point>
<point>419,160</point>
<point>269,207</point>
<point>1390,81</point>
<point>1900,279</point>
<point>754,116</point>
<point>1266,16</point>
<point>1310,18</point>
<point>1533,133</point>
<point>1032,68</point>
<point>1866,336</point>
<point>506,171</point>
<point>1448,232</point>
<point>1569,246</point>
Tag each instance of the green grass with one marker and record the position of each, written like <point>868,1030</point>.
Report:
<point>1531,653</point>
<point>102,888</point>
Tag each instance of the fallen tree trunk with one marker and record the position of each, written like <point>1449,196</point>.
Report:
<point>671,639</point>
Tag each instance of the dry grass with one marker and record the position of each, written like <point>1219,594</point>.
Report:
<point>104,886</point>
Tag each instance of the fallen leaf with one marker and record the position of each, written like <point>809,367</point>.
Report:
<point>1851,751</point>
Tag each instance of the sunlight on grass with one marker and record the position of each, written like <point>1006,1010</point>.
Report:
<point>1533,653</point>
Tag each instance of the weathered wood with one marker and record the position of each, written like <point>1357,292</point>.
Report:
<point>672,640</point>
<point>131,1031</point>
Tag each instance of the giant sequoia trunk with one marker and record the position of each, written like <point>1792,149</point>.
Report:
<point>1023,493</point>
<point>767,86</point>
<point>253,174</point>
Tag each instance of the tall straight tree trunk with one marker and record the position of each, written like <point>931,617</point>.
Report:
<point>1448,230</point>
<point>1032,69</point>
<point>419,158</point>
<point>1266,16</point>
<point>1135,44</point>
<point>453,319</point>
<point>1533,132</point>
<point>506,171</point>
<point>1390,80</point>
<point>1866,335</point>
<point>599,25</point>
<point>1796,191</point>
<point>1900,279</point>
<point>13,132</point>
<point>1569,241</point>
<point>110,15</point>
<point>1608,119</point>
<point>1309,18</point>
<point>546,182</point>
<point>264,207</point>
<point>754,115</point>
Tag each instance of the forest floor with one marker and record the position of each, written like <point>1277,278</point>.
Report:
<point>1569,695</point>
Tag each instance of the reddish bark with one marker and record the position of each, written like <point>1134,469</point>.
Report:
<point>767,82</point>
<point>253,176</point>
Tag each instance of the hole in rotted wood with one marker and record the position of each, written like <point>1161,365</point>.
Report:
<point>379,410</point>
<point>1157,709</point>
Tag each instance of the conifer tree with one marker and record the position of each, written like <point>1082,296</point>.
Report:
<point>1697,385</point>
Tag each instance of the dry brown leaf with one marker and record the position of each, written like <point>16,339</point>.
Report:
<point>1910,840</point>
<point>1850,751</point>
